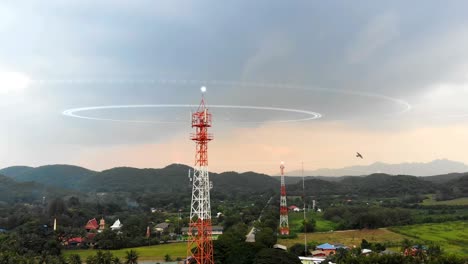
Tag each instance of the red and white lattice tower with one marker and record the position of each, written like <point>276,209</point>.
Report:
<point>284,225</point>
<point>200,244</point>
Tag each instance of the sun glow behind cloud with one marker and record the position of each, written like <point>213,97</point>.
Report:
<point>380,49</point>
<point>13,82</point>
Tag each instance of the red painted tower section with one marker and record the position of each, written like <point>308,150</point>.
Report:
<point>284,225</point>
<point>200,244</point>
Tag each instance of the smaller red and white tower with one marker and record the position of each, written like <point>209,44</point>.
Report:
<point>284,225</point>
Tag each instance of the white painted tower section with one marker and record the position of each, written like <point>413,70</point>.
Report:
<point>201,208</point>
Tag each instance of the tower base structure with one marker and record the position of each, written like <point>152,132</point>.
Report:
<point>201,243</point>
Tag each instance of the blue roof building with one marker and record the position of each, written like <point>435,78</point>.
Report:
<point>326,246</point>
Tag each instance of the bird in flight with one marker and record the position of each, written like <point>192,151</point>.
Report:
<point>358,155</point>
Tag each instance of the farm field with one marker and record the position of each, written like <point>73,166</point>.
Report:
<point>348,237</point>
<point>156,252</point>
<point>452,236</point>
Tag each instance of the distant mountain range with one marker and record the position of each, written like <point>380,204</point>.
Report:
<point>171,178</point>
<point>26,184</point>
<point>436,167</point>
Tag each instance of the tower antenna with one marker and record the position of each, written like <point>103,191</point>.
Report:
<point>200,243</point>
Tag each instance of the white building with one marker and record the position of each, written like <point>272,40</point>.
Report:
<point>311,260</point>
<point>116,226</point>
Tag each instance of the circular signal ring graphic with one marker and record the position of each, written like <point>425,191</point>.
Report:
<point>75,112</point>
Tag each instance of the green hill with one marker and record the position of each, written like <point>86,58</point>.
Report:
<point>461,183</point>
<point>385,185</point>
<point>456,188</point>
<point>63,176</point>
<point>5,181</point>
<point>170,179</point>
<point>173,178</point>
<point>25,192</point>
<point>316,187</point>
<point>297,179</point>
<point>444,178</point>
<point>378,185</point>
<point>247,181</point>
<point>15,171</point>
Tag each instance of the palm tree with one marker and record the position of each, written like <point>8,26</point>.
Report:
<point>132,257</point>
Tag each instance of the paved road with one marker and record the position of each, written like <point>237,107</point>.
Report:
<point>250,237</point>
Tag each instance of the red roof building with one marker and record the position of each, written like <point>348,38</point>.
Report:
<point>75,240</point>
<point>92,225</point>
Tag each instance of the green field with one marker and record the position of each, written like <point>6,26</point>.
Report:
<point>459,201</point>
<point>145,253</point>
<point>321,225</point>
<point>348,237</point>
<point>451,236</point>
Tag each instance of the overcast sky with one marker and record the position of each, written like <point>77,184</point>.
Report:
<point>360,64</point>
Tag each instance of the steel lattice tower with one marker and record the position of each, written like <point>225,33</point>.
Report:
<point>284,225</point>
<point>200,237</point>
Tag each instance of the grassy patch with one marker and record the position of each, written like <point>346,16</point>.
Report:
<point>452,236</point>
<point>459,201</point>
<point>348,237</point>
<point>322,225</point>
<point>145,253</point>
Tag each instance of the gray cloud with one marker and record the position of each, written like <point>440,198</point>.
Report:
<point>397,49</point>
<point>379,32</point>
